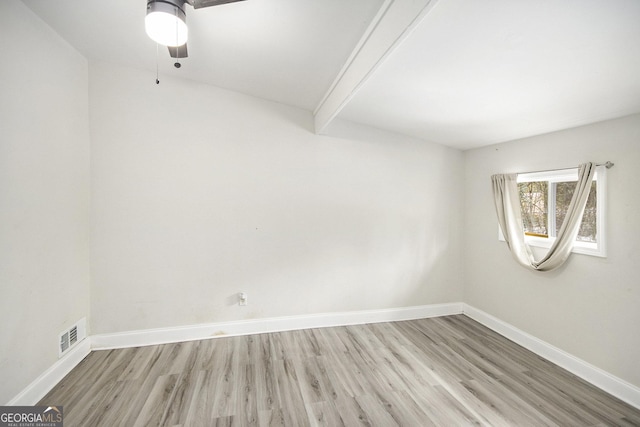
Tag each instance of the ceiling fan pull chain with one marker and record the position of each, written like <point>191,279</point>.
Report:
<point>177,63</point>
<point>157,55</point>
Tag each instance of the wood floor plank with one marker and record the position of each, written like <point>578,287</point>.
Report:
<point>314,384</point>
<point>140,363</point>
<point>324,414</point>
<point>155,403</point>
<point>178,404</point>
<point>247,406</point>
<point>223,380</point>
<point>376,412</point>
<point>266,385</point>
<point>292,402</point>
<point>388,335</point>
<point>271,418</point>
<point>448,371</point>
<point>543,400</point>
<point>346,377</point>
<point>352,413</point>
<point>200,409</point>
<point>581,398</point>
<point>448,409</point>
<point>92,407</point>
<point>113,409</point>
<point>508,406</point>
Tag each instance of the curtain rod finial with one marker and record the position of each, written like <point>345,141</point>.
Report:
<point>609,165</point>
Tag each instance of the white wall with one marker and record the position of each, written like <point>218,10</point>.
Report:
<point>44,195</point>
<point>590,306</point>
<point>199,193</point>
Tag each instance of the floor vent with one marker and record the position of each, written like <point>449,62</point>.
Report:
<point>72,336</point>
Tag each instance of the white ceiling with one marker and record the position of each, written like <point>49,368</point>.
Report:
<point>463,73</point>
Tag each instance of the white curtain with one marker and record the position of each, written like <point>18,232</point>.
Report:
<point>507,201</point>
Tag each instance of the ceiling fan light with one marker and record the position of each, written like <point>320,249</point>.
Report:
<point>166,24</point>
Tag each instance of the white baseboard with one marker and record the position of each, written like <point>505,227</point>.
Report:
<point>275,324</point>
<point>45,382</point>
<point>596,376</point>
<point>52,376</point>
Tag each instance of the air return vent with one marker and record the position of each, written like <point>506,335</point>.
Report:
<point>72,336</point>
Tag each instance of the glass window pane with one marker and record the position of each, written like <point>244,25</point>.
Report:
<point>533,202</point>
<point>588,227</point>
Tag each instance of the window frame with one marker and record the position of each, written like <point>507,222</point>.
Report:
<point>598,248</point>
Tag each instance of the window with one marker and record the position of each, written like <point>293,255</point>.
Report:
<point>544,200</point>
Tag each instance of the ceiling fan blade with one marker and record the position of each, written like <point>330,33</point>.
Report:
<point>198,4</point>
<point>178,51</point>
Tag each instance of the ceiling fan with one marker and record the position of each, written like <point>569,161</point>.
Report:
<point>166,22</point>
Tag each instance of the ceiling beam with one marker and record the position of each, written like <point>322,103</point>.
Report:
<point>392,24</point>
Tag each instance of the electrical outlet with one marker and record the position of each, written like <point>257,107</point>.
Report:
<point>242,298</point>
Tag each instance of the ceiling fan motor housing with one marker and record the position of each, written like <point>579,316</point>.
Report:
<point>167,6</point>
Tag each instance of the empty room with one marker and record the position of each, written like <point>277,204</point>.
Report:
<point>304,212</point>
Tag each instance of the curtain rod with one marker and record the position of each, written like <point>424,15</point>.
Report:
<point>608,165</point>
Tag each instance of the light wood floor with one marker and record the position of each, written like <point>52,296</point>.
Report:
<point>447,371</point>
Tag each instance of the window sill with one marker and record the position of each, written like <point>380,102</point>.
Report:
<point>583,248</point>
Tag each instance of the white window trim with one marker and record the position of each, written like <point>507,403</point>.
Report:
<point>598,249</point>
